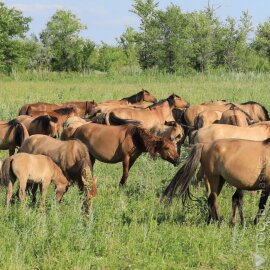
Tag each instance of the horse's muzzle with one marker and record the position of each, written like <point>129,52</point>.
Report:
<point>177,162</point>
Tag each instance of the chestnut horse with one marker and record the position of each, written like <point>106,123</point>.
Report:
<point>44,124</point>
<point>113,144</point>
<point>243,164</point>
<point>34,168</point>
<point>12,135</point>
<point>71,156</point>
<point>82,107</point>
<point>149,117</point>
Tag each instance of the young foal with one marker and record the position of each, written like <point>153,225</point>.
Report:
<point>34,168</point>
<point>113,144</point>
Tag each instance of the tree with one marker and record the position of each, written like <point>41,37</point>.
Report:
<point>147,39</point>
<point>66,50</point>
<point>261,43</point>
<point>13,26</point>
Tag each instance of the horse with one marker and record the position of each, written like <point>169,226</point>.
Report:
<point>82,107</point>
<point>33,168</point>
<point>74,121</point>
<point>223,131</point>
<point>43,124</point>
<point>149,117</point>
<point>236,116</point>
<point>255,110</point>
<point>12,135</point>
<point>206,118</point>
<point>71,156</point>
<point>113,144</point>
<point>244,164</point>
<point>170,130</point>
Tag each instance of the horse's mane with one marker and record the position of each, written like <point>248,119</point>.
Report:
<point>256,103</point>
<point>170,100</point>
<point>65,111</point>
<point>267,141</point>
<point>235,107</point>
<point>45,120</point>
<point>136,97</point>
<point>13,122</point>
<point>144,141</point>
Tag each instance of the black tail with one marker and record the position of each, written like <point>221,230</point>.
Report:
<point>7,172</point>
<point>198,123</point>
<point>183,177</point>
<point>20,132</point>
<point>114,120</point>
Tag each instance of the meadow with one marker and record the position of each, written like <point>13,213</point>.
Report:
<point>128,228</point>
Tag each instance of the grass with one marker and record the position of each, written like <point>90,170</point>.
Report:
<point>129,228</point>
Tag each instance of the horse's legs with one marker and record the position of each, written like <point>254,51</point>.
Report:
<point>23,182</point>
<point>216,183</point>
<point>60,191</point>
<point>126,167</point>
<point>262,203</point>
<point>45,185</point>
<point>93,159</point>
<point>237,202</point>
<point>9,193</point>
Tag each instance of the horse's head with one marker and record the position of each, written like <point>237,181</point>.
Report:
<point>90,105</point>
<point>148,97</point>
<point>177,101</point>
<point>167,151</point>
<point>176,133</point>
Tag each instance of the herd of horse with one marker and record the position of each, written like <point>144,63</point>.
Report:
<point>60,143</point>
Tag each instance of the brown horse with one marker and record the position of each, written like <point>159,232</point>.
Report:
<point>12,135</point>
<point>236,116</point>
<point>34,168</point>
<point>221,131</point>
<point>255,110</point>
<point>71,156</point>
<point>44,124</point>
<point>149,117</point>
<point>243,164</point>
<point>206,118</point>
<point>113,144</point>
<point>82,107</point>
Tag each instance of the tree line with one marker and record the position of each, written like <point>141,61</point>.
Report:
<point>167,40</point>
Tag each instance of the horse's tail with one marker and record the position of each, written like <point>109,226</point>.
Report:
<point>184,176</point>
<point>7,172</point>
<point>24,109</point>
<point>198,123</point>
<point>114,120</point>
<point>99,118</point>
<point>21,133</point>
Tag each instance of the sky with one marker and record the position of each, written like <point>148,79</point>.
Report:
<point>107,19</point>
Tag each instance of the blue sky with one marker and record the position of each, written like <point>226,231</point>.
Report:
<point>107,19</point>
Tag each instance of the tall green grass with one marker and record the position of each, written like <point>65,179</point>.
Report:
<point>129,228</point>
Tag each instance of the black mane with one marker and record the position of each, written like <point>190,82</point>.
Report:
<point>136,97</point>
<point>45,120</point>
<point>65,111</point>
<point>263,108</point>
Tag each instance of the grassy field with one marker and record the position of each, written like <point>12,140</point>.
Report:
<point>129,228</point>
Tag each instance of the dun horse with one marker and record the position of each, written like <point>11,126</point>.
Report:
<point>206,118</point>
<point>243,164</point>
<point>12,135</point>
<point>113,144</point>
<point>149,117</point>
<point>38,169</point>
<point>44,124</point>
<point>71,156</point>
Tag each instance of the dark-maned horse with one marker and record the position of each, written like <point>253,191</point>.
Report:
<point>113,144</point>
<point>153,115</point>
<point>43,124</point>
<point>71,156</point>
<point>243,164</point>
<point>12,135</point>
<point>83,107</point>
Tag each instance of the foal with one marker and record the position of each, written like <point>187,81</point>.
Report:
<point>39,169</point>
